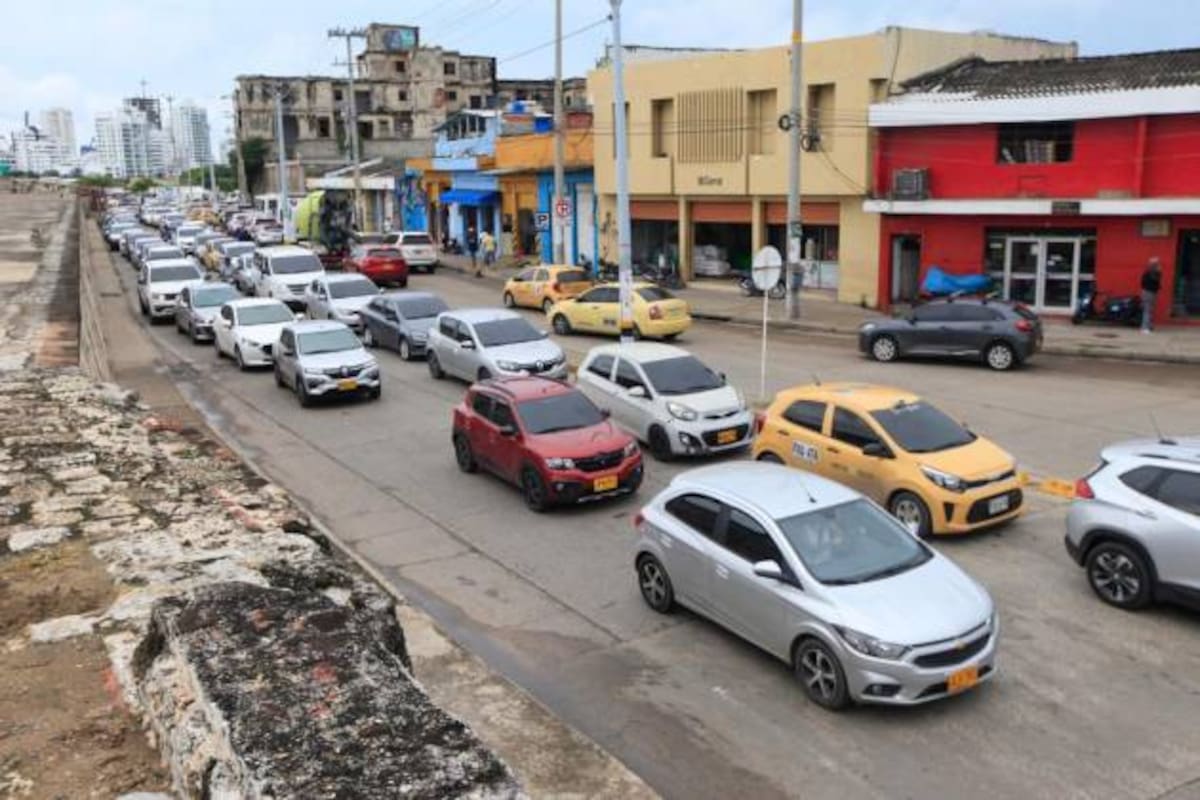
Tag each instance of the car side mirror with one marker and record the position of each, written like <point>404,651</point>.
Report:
<point>770,570</point>
<point>299,317</point>
<point>467,344</point>
<point>877,450</point>
<point>605,413</point>
<point>508,430</point>
<point>638,391</point>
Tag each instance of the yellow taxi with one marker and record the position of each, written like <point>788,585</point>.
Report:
<point>928,470</point>
<point>657,314</point>
<point>542,287</point>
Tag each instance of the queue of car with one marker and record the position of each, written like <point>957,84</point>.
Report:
<point>815,550</point>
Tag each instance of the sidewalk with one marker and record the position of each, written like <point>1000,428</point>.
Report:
<point>722,301</point>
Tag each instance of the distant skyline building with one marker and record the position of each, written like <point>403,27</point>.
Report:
<point>130,145</point>
<point>59,124</point>
<point>33,152</point>
<point>191,136</point>
<point>150,106</point>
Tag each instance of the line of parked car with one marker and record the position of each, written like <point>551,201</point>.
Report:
<point>815,551</point>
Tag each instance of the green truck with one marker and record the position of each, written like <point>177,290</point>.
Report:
<point>324,219</point>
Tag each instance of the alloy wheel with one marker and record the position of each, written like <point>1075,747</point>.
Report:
<point>820,675</point>
<point>1000,357</point>
<point>911,512</point>
<point>533,489</point>
<point>368,337</point>
<point>405,350</point>
<point>463,454</point>
<point>561,325</point>
<point>655,585</point>
<point>547,304</point>
<point>884,348</point>
<point>1119,575</point>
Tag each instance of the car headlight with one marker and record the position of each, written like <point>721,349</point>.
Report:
<point>870,646</point>
<point>156,296</point>
<point>945,480</point>
<point>371,371</point>
<point>629,449</point>
<point>680,411</point>
<point>867,327</point>
<point>509,366</point>
<point>314,373</point>
<point>418,336</point>
<point>560,463</point>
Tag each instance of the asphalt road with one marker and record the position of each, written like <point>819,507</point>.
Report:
<point>1089,702</point>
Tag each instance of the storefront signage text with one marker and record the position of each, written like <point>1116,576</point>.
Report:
<point>710,180</point>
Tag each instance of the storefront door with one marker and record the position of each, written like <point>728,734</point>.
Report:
<point>1046,272</point>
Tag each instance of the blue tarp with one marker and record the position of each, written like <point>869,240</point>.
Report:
<point>938,283</point>
<point>469,197</point>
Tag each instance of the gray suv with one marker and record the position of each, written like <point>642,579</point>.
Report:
<point>1135,524</point>
<point>323,358</point>
<point>1001,334</point>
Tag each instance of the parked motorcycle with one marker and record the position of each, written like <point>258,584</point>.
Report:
<point>776,292</point>
<point>1120,310</point>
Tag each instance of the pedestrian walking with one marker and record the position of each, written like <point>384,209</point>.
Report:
<point>1151,283</point>
<point>488,243</point>
<point>473,249</point>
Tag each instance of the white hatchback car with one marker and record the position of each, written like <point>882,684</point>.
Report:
<point>247,330</point>
<point>340,298</point>
<point>667,398</point>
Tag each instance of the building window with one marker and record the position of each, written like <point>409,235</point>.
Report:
<point>337,95</point>
<point>476,101</point>
<point>451,95</point>
<point>383,128</point>
<point>449,68</point>
<point>323,127</point>
<point>402,95</point>
<point>662,121</point>
<point>1035,143</point>
<point>763,122</point>
<point>400,67</point>
<point>365,130</point>
<point>819,115</point>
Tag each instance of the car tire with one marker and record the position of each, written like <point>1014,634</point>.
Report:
<point>483,374</point>
<point>884,349</point>
<point>179,326</point>
<point>637,333</point>
<point>435,368</point>
<point>547,304</point>
<point>463,455</point>
<point>912,513</point>
<point>405,349</point>
<point>369,338</point>
<point>278,377</point>
<point>1119,575</point>
<point>1000,356</point>
<point>820,674</point>
<point>660,444</point>
<point>302,395</point>
<point>769,458</point>
<point>533,489</point>
<point>561,325</point>
<point>237,356</point>
<point>376,393</point>
<point>655,584</point>
<point>509,300</point>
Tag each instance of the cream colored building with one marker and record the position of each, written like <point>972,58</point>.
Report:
<point>708,159</point>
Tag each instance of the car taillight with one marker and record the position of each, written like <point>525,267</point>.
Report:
<point>638,519</point>
<point>1083,490</point>
<point>1024,326</point>
<point>556,287</point>
<point>760,422</point>
<point>655,312</point>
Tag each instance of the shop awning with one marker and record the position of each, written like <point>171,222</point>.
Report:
<point>469,197</point>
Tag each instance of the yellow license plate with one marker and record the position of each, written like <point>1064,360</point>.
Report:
<point>727,437</point>
<point>347,385</point>
<point>962,680</point>
<point>605,484</point>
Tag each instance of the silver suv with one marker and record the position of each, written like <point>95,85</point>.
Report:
<point>322,358</point>
<point>1135,523</point>
<point>481,343</point>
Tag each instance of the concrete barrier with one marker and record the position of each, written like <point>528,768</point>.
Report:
<point>95,274</point>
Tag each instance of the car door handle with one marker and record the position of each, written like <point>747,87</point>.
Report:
<point>1146,513</point>
<point>722,571</point>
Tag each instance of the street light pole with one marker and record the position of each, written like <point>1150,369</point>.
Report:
<point>359,216</point>
<point>624,245</point>
<point>794,230</point>
<point>284,206</point>
<point>559,228</point>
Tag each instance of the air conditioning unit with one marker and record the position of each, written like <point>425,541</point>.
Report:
<point>910,184</point>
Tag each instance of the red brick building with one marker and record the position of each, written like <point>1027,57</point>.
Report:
<point>1053,176</point>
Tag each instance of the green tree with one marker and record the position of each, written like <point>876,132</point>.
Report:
<point>141,185</point>
<point>254,155</point>
<point>100,181</point>
<point>198,176</point>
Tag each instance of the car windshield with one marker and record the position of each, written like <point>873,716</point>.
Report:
<point>572,276</point>
<point>652,294</point>
<point>339,290</point>
<point>159,253</point>
<point>294,265</point>
<point>417,238</point>
<point>213,296</point>
<point>186,230</point>
<point>562,412</point>
<point>500,332</point>
<point>384,252</point>
<point>331,341</point>
<point>233,250</point>
<point>921,428</point>
<point>160,274</point>
<point>420,307</point>
<point>682,375</point>
<point>264,315</point>
<point>854,542</point>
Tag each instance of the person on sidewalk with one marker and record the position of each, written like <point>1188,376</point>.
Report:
<point>473,249</point>
<point>1151,283</point>
<point>488,243</point>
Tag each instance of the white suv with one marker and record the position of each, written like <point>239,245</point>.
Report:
<point>284,273</point>
<point>666,397</point>
<point>418,251</point>
<point>160,282</point>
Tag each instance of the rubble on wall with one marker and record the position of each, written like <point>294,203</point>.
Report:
<point>263,666</point>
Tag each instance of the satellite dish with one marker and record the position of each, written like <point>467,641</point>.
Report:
<point>767,268</point>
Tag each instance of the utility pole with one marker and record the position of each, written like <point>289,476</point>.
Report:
<point>285,209</point>
<point>212,179</point>
<point>348,35</point>
<point>173,161</point>
<point>559,227</point>
<point>794,230</point>
<point>624,243</point>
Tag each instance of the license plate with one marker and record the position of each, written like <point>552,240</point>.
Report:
<point>605,484</point>
<point>727,437</point>
<point>347,385</point>
<point>998,505</point>
<point>962,680</point>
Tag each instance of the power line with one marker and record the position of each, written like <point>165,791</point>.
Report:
<point>602,21</point>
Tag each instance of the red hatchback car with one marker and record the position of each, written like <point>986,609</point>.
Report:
<point>546,437</point>
<point>380,262</point>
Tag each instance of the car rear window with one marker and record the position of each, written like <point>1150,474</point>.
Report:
<point>572,276</point>
<point>652,294</point>
<point>417,238</point>
<point>384,252</point>
<point>293,265</point>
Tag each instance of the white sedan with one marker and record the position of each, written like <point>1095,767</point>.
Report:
<point>247,330</point>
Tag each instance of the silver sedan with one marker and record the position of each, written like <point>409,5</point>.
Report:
<point>820,577</point>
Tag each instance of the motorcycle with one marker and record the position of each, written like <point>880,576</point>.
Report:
<point>776,292</point>
<point>1120,310</point>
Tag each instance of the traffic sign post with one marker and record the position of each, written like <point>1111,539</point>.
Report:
<point>765,272</point>
<point>541,221</point>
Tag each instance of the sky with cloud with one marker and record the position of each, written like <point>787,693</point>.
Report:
<point>88,54</point>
